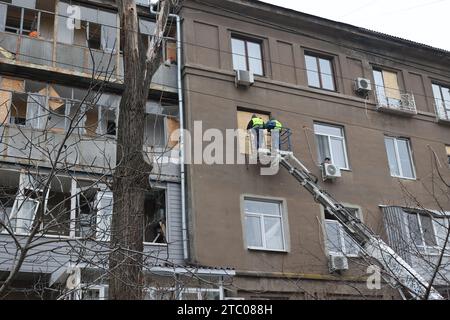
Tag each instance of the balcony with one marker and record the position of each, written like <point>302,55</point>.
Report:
<point>74,52</point>
<point>400,103</point>
<point>443,112</point>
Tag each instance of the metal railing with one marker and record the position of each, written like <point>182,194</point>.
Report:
<point>404,104</point>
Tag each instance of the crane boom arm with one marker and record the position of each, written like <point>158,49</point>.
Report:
<point>372,245</point>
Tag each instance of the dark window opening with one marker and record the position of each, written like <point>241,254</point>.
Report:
<point>87,213</point>
<point>155,217</point>
<point>94,36</point>
<point>56,219</point>
<point>111,128</point>
<point>19,108</point>
<point>13,18</point>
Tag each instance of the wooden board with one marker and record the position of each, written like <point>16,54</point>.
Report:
<point>391,85</point>
<point>5,102</point>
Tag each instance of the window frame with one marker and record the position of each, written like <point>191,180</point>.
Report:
<point>342,138</point>
<point>282,217</point>
<point>317,57</point>
<point>397,158</point>
<point>358,215</point>
<point>424,246</point>
<point>445,104</point>
<point>246,40</point>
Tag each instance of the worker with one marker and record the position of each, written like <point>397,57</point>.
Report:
<point>274,127</point>
<point>256,125</point>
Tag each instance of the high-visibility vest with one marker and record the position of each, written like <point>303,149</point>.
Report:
<point>278,125</point>
<point>257,123</point>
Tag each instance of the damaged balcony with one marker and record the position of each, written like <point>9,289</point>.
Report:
<point>37,37</point>
<point>74,224</point>
<point>38,118</point>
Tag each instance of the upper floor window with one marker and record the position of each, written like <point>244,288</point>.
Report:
<point>264,224</point>
<point>247,55</point>
<point>421,230</point>
<point>400,157</point>
<point>22,18</point>
<point>442,100</point>
<point>331,144</point>
<point>338,240</point>
<point>387,88</point>
<point>320,72</point>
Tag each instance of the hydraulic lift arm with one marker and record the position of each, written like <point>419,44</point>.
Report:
<point>372,245</point>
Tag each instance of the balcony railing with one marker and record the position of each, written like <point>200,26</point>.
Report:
<point>75,57</point>
<point>404,103</point>
<point>443,112</point>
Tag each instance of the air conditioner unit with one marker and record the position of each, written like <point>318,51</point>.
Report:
<point>244,78</point>
<point>363,85</point>
<point>330,171</point>
<point>338,263</point>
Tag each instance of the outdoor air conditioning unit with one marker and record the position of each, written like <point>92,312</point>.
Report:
<point>363,85</point>
<point>338,263</point>
<point>244,78</point>
<point>330,171</point>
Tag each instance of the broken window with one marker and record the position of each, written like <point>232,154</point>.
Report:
<point>9,186</point>
<point>155,131</point>
<point>155,216</point>
<point>421,230</point>
<point>97,29</point>
<point>94,212</point>
<point>57,215</point>
<point>338,240</point>
<point>21,18</point>
<point>27,202</point>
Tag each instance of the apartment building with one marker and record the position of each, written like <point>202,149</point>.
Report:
<point>376,105</point>
<point>61,77</point>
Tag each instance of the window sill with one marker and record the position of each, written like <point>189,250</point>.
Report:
<point>266,250</point>
<point>404,178</point>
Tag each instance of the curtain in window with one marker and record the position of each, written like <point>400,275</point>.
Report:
<point>104,214</point>
<point>108,21</point>
<point>64,34</point>
<point>323,147</point>
<point>3,9</point>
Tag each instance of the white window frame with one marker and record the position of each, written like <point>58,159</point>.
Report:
<point>199,292</point>
<point>341,233</point>
<point>262,224</point>
<point>397,157</point>
<point>329,136</point>
<point>426,248</point>
<point>84,287</point>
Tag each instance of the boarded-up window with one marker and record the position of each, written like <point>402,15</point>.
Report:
<point>387,87</point>
<point>243,118</point>
<point>8,85</point>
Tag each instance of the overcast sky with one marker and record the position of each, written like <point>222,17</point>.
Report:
<point>424,21</point>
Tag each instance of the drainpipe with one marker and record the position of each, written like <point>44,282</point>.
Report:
<point>182,139</point>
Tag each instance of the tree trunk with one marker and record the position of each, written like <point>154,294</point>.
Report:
<point>131,176</point>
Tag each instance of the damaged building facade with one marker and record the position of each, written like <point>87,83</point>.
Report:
<point>61,77</point>
<point>376,105</point>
